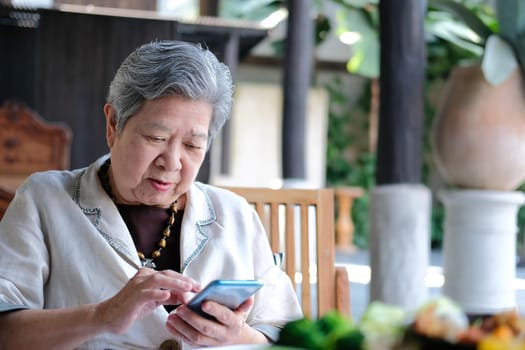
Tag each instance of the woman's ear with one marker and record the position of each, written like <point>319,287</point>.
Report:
<point>111,124</point>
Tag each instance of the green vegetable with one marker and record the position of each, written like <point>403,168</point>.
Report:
<point>333,331</point>
<point>352,340</point>
<point>341,333</point>
<point>303,333</point>
<point>334,322</point>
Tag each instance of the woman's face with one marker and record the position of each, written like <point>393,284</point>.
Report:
<point>160,150</point>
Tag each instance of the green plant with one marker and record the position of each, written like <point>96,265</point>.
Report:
<point>348,162</point>
<point>521,229</point>
<point>260,10</point>
<point>359,19</point>
<point>499,36</point>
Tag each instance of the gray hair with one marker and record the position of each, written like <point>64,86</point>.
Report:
<point>178,68</point>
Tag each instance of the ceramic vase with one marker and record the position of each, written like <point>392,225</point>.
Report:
<point>478,135</point>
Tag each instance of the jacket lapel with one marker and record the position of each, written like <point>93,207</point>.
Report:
<point>195,229</point>
<point>101,210</point>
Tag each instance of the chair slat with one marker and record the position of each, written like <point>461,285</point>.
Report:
<point>259,207</point>
<point>305,259</point>
<point>274,227</point>
<point>290,244</point>
<point>326,253</point>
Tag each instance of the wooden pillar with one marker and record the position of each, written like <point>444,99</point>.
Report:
<point>297,74</point>
<point>401,111</point>
<point>344,225</point>
<point>208,8</point>
<point>373,115</point>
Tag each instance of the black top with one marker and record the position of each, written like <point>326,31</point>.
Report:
<point>146,224</point>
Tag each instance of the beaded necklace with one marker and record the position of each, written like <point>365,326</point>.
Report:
<point>144,261</point>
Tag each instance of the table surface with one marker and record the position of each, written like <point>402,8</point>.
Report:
<point>241,346</point>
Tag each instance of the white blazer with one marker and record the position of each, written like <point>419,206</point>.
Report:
<point>63,243</point>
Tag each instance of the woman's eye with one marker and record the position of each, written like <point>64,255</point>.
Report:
<point>193,146</point>
<point>157,139</point>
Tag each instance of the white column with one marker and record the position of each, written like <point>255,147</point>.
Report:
<point>479,248</point>
<point>399,244</point>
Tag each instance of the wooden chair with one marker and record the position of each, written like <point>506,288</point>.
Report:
<point>28,143</point>
<point>300,224</point>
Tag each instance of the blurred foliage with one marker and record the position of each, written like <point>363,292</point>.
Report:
<point>348,163</point>
<point>521,230</point>
<point>258,10</point>
<point>252,10</point>
<point>361,18</point>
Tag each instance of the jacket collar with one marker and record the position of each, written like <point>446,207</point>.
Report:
<point>103,213</point>
<point>196,223</point>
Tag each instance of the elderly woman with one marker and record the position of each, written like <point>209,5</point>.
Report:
<point>107,256</point>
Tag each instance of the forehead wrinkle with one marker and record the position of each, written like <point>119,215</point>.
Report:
<point>159,126</point>
<point>197,134</point>
<point>156,125</point>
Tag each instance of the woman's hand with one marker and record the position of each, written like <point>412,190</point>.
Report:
<point>144,292</point>
<point>229,327</point>
<point>59,329</point>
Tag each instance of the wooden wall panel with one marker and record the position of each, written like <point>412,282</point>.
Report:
<point>79,54</point>
<point>17,63</point>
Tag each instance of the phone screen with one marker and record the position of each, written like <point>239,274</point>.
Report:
<point>231,293</point>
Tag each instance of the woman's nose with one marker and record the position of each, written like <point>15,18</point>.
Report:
<point>170,159</point>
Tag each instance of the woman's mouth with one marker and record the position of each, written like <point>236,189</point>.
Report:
<point>160,185</point>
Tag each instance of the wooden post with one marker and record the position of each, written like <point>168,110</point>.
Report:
<point>344,225</point>
<point>208,8</point>
<point>402,86</point>
<point>297,75</point>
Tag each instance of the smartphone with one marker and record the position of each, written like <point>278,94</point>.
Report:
<point>231,293</point>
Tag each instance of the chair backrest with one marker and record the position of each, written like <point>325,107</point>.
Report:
<point>29,143</point>
<point>300,224</point>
